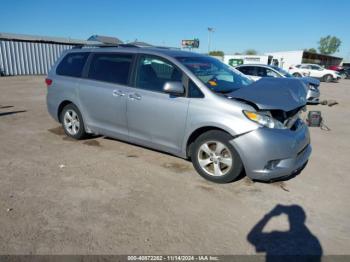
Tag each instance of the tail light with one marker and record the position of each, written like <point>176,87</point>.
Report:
<point>48,81</point>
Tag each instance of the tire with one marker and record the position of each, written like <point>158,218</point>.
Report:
<point>72,122</point>
<point>215,165</point>
<point>328,78</point>
<point>297,75</point>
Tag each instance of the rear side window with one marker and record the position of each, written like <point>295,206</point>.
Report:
<point>243,69</point>
<point>72,64</point>
<point>314,67</point>
<point>247,70</point>
<point>112,68</point>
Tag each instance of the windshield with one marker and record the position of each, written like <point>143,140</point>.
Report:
<point>217,76</point>
<point>282,71</point>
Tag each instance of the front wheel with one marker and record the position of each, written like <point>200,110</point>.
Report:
<point>214,158</point>
<point>327,78</point>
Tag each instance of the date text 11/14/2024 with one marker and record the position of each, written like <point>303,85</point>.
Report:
<point>173,258</point>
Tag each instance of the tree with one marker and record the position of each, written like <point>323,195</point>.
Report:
<point>311,50</point>
<point>251,52</point>
<point>237,53</point>
<point>329,45</point>
<point>216,53</point>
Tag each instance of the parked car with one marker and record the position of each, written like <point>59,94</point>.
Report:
<point>258,71</point>
<point>342,71</point>
<point>297,72</point>
<point>315,71</point>
<point>189,105</point>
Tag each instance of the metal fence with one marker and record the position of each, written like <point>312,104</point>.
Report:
<point>29,58</point>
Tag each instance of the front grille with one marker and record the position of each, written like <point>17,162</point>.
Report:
<point>282,116</point>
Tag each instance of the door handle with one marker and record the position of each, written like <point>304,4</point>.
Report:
<point>135,96</point>
<point>118,93</point>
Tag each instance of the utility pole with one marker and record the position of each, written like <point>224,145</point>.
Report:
<point>210,30</point>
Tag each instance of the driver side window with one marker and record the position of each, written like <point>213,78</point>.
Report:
<point>153,73</point>
<point>261,71</point>
<point>271,73</point>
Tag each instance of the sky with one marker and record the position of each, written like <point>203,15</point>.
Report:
<point>266,26</point>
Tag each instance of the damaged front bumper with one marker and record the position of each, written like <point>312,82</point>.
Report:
<point>268,154</point>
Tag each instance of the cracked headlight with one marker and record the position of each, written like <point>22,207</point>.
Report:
<point>264,119</point>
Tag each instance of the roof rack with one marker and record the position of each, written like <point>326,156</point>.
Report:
<point>132,45</point>
<point>167,47</point>
<point>106,45</point>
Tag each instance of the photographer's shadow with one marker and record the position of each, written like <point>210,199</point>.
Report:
<point>297,244</point>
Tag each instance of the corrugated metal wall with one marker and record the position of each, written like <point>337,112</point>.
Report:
<point>29,58</point>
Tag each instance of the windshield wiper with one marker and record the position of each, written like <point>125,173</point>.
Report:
<point>223,91</point>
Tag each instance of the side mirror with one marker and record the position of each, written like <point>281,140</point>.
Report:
<point>174,88</point>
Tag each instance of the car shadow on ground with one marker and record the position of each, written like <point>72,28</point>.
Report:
<point>142,146</point>
<point>296,244</point>
<point>90,139</point>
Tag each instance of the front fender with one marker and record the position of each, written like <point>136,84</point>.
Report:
<point>228,122</point>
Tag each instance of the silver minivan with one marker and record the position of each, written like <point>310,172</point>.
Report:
<point>189,105</point>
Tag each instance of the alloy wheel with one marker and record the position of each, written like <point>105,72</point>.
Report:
<point>71,122</point>
<point>215,158</point>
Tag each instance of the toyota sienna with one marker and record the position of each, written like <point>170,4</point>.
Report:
<point>186,104</point>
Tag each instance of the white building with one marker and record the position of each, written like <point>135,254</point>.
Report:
<point>285,59</point>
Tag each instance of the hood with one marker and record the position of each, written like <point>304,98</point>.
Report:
<point>310,80</point>
<point>273,93</point>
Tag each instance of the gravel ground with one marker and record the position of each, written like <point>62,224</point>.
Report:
<point>103,196</point>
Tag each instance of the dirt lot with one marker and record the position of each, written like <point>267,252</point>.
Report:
<point>102,196</point>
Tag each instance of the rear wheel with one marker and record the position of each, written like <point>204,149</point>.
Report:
<point>214,158</point>
<point>72,122</point>
<point>327,78</point>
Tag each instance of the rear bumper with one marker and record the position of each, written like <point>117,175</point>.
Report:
<point>52,106</point>
<point>268,154</point>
